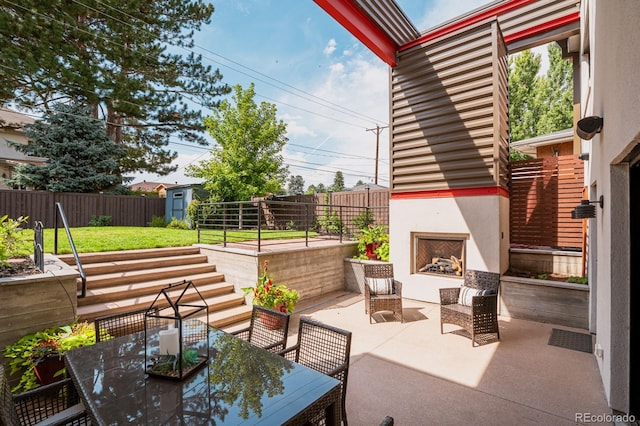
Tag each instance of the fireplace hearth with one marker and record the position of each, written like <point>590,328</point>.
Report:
<point>439,254</point>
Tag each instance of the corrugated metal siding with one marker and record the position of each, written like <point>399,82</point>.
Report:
<point>449,112</point>
<point>535,14</point>
<point>501,117</point>
<point>391,19</point>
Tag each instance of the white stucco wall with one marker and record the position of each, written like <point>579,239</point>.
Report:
<point>611,89</point>
<point>482,218</point>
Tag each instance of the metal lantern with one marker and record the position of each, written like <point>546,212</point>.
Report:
<point>176,332</point>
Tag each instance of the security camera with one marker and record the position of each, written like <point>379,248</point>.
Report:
<point>588,127</point>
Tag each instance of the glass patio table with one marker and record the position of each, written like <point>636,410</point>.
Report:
<point>241,384</point>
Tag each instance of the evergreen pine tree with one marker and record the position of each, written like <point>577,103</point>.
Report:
<point>80,156</point>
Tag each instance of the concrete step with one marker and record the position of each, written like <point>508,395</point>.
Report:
<point>131,277</point>
<point>230,316</point>
<point>113,256</point>
<point>141,289</point>
<point>217,304</point>
<point>142,264</point>
<point>122,281</point>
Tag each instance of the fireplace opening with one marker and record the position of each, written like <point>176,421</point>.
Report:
<point>441,255</point>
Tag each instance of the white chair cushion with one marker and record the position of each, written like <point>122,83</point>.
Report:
<point>380,285</point>
<point>467,293</point>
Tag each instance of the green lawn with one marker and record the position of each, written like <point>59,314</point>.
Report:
<point>110,238</point>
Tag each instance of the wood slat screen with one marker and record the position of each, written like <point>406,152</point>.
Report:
<point>544,191</point>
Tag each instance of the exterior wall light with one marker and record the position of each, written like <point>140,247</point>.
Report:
<point>588,127</point>
<point>586,209</point>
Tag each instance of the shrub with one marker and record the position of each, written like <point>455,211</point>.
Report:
<point>100,221</point>
<point>157,222</point>
<point>12,238</point>
<point>363,220</point>
<point>578,280</point>
<point>192,211</point>
<point>177,224</point>
<point>331,223</point>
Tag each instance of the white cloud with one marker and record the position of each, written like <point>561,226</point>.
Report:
<point>178,176</point>
<point>337,67</point>
<point>330,47</point>
<point>296,129</point>
<point>357,88</point>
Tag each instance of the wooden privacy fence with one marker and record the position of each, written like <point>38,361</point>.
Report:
<point>371,198</point>
<point>544,191</point>
<point>80,208</point>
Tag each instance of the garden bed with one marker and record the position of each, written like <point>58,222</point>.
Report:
<point>549,301</point>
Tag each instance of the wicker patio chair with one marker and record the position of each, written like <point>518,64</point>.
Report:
<point>120,324</point>
<point>477,310</point>
<point>324,348</point>
<point>268,329</point>
<point>54,404</point>
<point>381,291</point>
<point>387,421</point>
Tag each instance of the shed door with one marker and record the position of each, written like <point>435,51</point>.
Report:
<point>178,207</point>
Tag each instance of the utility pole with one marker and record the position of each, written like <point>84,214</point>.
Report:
<point>377,130</point>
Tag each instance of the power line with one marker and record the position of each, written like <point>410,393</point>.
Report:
<point>183,93</point>
<point>342,109</point>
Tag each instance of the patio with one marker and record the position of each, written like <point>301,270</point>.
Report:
<point>413,373</point>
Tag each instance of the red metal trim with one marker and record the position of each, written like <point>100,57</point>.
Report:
<point>470,20</point>
<point>544,27</point>
<point>357,23</point>
<point>452,193</point>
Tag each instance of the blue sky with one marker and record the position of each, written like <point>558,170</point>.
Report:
<point>326,85</point>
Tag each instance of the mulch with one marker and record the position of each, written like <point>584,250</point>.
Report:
<point>18,267</point>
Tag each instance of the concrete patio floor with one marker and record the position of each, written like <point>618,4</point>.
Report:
<point>416,375</point>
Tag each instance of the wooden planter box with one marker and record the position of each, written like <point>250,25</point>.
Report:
<point>545,301</point>
<point>34,302</point>
<point>354,274</point>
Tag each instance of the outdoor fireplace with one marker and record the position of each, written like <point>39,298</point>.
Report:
<point>439,254</point>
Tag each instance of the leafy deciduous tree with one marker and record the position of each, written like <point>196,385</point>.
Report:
<point>248,161</point>
<point>80,156</point>
<point>557,92</point>
<point>524,107</point>
<point>539,105</point>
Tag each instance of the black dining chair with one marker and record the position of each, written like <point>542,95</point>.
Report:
<point>54,404</point>
<point>324,348</point>
<point>120,324</point>
<point>268,329</point>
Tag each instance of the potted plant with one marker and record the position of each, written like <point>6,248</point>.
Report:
<point>270,295</point>
<point>372,242</point>
<point>39,355</point>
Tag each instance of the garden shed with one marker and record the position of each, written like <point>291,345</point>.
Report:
<point>178,199</point>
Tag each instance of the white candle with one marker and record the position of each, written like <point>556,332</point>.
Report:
<point>169,342</point>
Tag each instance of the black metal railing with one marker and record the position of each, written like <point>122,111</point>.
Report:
<point>38,245</point>
<point>270,222</point>
<point>83,276</point>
